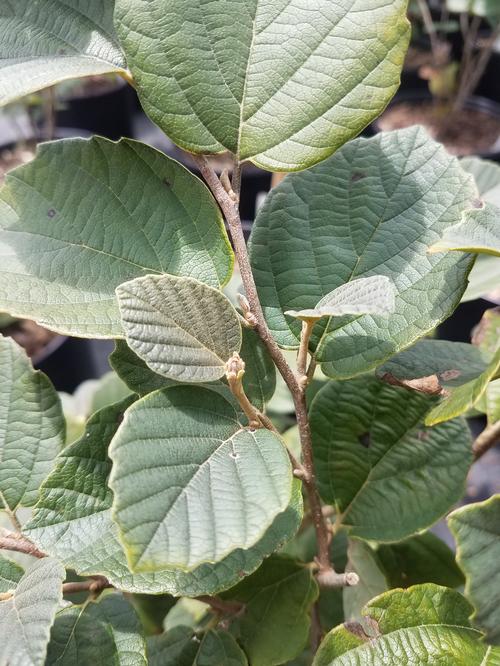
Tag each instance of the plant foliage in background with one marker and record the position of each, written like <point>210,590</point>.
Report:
<point>255,482</point>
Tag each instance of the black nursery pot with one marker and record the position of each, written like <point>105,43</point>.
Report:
<point>107,113</point>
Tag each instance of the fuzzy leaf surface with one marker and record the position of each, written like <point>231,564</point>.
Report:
<point>72,521</point>
<point>388,475</point>
<point>425,624</point>
<point>88,214</point>
<point>182,328</point>
<point>203,72</point>
<point>26,617</point>
<point>476,529</point>
<point>48,41</point>
<point>184,465</point>
<point>478,233</point>
<point>372,295</point>
<point>374,208</point>
<point>32,427</point>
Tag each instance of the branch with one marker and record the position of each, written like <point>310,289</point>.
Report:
<point>95,585</point>
<point>230,210</point>
<point>19,544</point>
<point>486,440</point>
<point>221,606</point>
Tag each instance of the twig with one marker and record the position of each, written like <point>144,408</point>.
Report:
<point>307,329</point>
<point>95,585</point>
<point>19,544</point>
<point>486,440</point>
<point>235,369</point>
<point>431,28</point>
<point>10,513</point>
<point>231,213</point>
<point>221,606</point>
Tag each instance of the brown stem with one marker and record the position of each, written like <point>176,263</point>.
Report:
<point>221,606</point>
<point>95,585</point>
<point>307,329</point>
<point>467,65</point>
<point>235,369</point>
<point>19,544</point>
<point>486,440</point>
<point>231,213</point>
<point>431,28</point>
<point>10,513</point>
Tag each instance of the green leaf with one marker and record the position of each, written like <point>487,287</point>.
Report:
<point>483,279</point>
<point>476,529</point>
<point>278,598</point>
<point>72,521</point>
<point>372,209</point>
<point>26,617</point>
<point>177,458</point>
<point>104,632</point>
<point>218,648</point>
<point>204,73</point>
<point>479,232</point>
<point>364,561</point>
<point>487,177</point>
<point>372,295</point>
<point>462,398</point>
<point>49,41</point>
<point>181,647</point>
<point>423,558</point>
<point>458,371</point>
<point>426,624</point>
<point>32,427</point>
<point>259,380</point>
<point>10,574</point>
<point>388,475</point>
<point>135,372</point>
<point>177,647</point>
<point>183,329</point>
<point>493,401</point>
<point>87,215</point>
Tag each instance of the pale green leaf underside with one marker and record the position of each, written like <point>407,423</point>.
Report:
<point>487,177</point>
<point>135,372</point>
<point>32,427</point>
<point>374,208</point>
<point>72,521</point>
<point>463,371</point>
<point>26,618</point>
<point>278,598</point>
<point>190,484</point>
<point>476,529</point>
<point>479,233</point>
<point>87,215</point>
<point>277,82</point>
<point>484,277</point>
<point>426,624</point>
<point>183,329</point>
<point>48,41</point>
<point>377,462</point>
<point>104,632</point>
<point>372,295</point>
